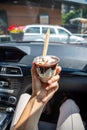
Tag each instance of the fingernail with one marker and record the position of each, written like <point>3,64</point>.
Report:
<point>47,88</point>
<point>49,81</point>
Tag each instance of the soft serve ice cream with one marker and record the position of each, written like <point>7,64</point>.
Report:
<point>46,66</point>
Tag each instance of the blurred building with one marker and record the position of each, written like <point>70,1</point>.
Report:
<point>23,12</point>
<point>71,5</point>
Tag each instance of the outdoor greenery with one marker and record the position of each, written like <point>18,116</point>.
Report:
<point>70,15</point>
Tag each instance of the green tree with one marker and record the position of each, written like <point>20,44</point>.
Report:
<point>77,13</point>
<point>66,17</point>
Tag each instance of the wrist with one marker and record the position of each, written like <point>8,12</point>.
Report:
<point>39,97</point>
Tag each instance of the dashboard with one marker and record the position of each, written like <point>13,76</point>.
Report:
<point>16,61</point>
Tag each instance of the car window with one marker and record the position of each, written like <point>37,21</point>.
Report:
<point>33,30</point>
<point>44,30</point>
<point>62,32</point>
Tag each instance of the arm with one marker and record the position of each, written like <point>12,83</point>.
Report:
<point>41,94</point>
<point>30,116</point>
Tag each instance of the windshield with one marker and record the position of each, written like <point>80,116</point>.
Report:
<point>28,21</point>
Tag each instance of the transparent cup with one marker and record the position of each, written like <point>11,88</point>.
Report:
<point>46,66</point>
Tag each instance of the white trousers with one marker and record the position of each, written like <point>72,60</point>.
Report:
<point>69,117</point>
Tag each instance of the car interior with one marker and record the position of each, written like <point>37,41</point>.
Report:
<point>17,54</point>
<point>15,79</point>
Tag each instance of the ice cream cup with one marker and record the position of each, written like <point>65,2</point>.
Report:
<point>46,66</point>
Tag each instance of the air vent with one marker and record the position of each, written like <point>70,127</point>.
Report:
<point>10,71</point>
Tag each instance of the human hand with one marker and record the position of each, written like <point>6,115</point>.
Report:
<point>44,91</point>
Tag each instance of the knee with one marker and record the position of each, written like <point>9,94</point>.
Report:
<point>70,106</point>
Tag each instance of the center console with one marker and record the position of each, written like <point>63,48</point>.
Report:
<point>12,84</point>
<point>9,91</point>
<point>6,114</point>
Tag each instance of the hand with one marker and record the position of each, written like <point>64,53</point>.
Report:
<point>44,91</point>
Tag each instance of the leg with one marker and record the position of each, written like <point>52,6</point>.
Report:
<point>24,98</point>
<point>69,118</point>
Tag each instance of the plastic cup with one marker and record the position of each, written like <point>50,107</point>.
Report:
<point>45,66</point>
